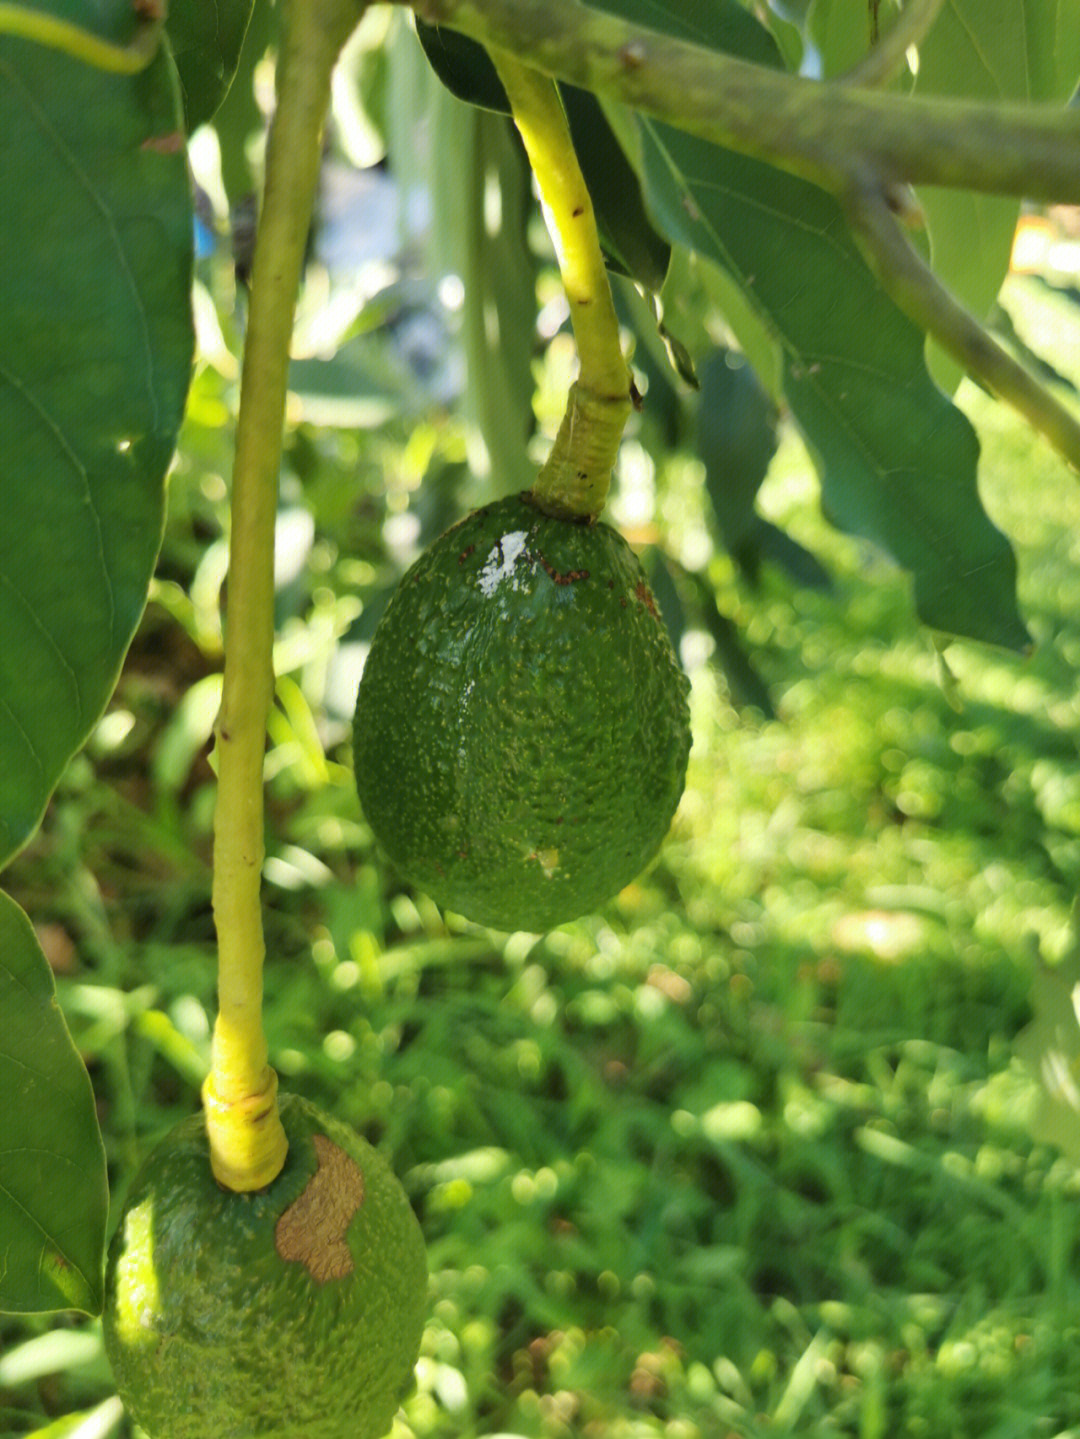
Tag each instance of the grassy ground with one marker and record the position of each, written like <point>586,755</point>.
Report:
<point>749,1154</point>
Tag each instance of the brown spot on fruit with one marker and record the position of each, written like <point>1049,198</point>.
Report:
<point>561,577</point>
<point>644,594</point>
<point>466,552</point>
<point>312,1230</point>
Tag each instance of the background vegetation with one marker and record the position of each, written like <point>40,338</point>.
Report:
<point>753,1151</point>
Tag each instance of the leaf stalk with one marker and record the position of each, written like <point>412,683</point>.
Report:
<point>574,479</point>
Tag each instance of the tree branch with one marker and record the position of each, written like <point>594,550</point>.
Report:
<point>828,132</point>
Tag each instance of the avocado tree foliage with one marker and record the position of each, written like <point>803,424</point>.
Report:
<point>829,190</point>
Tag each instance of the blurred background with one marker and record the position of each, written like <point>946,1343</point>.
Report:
<point>760,1149</point>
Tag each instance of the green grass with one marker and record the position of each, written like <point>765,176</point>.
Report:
<point>749,1154</point>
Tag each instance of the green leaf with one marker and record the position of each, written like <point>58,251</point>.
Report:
<point>53,1189</point>
<point>841,32</point>
<point>721,25</point>
<point>95,358</point>
<point>630,243</point>
<point>897,461</point>
<point>989,50</point>
<point>736,440</point>
<point>238,119</point>
<point>206,41</point>
<point>464,67</point>
<point>1049,1048</point>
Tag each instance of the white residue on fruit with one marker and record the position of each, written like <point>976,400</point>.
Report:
<point>499,564</point>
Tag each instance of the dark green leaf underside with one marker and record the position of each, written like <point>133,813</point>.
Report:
<point>53,1189</point>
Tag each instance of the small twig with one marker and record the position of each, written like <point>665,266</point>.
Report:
<point>889,54</point>
<point>916,290</point>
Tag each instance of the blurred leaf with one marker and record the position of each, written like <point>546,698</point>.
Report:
<point>475,156</point>
<point>786,33</point>
<point>53,1189</point>
<point>95,357</point>
<point>238,116</point>
<point>93,1423</point>
<point>48,1354</point>
<point>840,31</point>
<point>746,685</point>
<point>1050,1049</point>
<point>736,439</point>
<point>631,245</point>
<point>897,461</point>
<point>989,50</point>
<point>206,42</point>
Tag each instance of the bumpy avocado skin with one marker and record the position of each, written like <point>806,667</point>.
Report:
<point>522,730</point>
<point>212,1335</point>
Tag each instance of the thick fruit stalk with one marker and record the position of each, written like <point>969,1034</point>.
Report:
<point>573,482</point>
<point>247,1142</point>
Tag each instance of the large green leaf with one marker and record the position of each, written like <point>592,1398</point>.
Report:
<point>206,39</point>
<point>989,50</point>
<point>53,1189</point>
<point>95,358</point>
<point>897,461</point>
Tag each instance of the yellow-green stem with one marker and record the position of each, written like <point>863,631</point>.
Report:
<point>247,1142</point>
<point>575,478</point>
<point>82,44</point>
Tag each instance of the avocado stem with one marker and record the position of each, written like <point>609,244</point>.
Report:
<point>247,1142</point>
<point>574,480</point>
